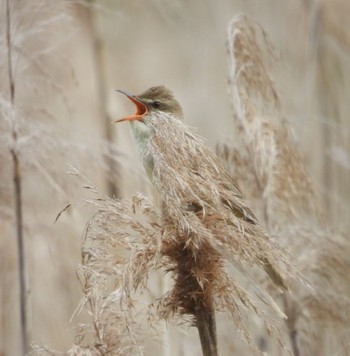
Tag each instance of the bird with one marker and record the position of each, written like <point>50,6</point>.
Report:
<point>201,197</point>
<point>156,99</point>
<point>191,178</point>
<point>159,102</point>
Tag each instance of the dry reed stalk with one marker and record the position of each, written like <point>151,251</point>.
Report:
<point>13,64</point>
<point>23,286</point>
<point>326,65</point>
<point>101,87</point>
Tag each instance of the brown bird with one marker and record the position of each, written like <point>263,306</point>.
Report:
<point>185,171</point>
<point>200,196</point>
<point>158,103</point>
<point>156,100</point>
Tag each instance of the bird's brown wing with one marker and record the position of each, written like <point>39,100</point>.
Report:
<point>236,204</point>
<point>241,212</point>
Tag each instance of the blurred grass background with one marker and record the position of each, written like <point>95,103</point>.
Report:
<point>70,56</point>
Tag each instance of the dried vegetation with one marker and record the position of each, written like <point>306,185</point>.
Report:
<point>270,167</point>
<point>205,225</point>
<point>206,236</point>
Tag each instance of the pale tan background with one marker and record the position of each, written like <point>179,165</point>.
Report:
<point>66,74</point>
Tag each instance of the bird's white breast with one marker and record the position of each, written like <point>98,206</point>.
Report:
<point>142,134</point>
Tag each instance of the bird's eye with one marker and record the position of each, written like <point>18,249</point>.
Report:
<point>156,104</point>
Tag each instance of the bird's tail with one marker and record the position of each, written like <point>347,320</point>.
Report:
<point>274,274</point>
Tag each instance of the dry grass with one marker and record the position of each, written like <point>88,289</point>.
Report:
<point>124,243</point>
<point>57,108</point>
<point>277,175</point>
<point>206,224</point>
<point>120,248</point>
<point>35,149</point>
<point>204,202</point>
<point>279,179</point>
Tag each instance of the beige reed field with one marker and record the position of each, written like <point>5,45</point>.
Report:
<point>239,244</point>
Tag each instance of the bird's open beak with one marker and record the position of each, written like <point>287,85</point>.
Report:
<point>141,109</point>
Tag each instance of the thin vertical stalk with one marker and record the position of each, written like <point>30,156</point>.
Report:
<point>322,88</point>
<point>205,322</point>
<point>100,76</point>
<point>17,196</point>
<point>197,299</point>
<point>292,314</point>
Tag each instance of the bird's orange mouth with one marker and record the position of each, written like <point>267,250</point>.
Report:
<point>141,109</point>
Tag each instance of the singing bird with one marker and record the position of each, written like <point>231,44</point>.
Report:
<point>156,100</point>
<point>192,180</point>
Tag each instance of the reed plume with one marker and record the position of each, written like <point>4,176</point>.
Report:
<point>206,225</point>
<point>265,160</point>
<point>273,172</point>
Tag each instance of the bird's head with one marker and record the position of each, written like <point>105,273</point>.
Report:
<point>155,100</point>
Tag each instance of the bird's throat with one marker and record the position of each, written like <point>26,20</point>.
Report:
<point>140,130</point>
<point>143,135</point>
